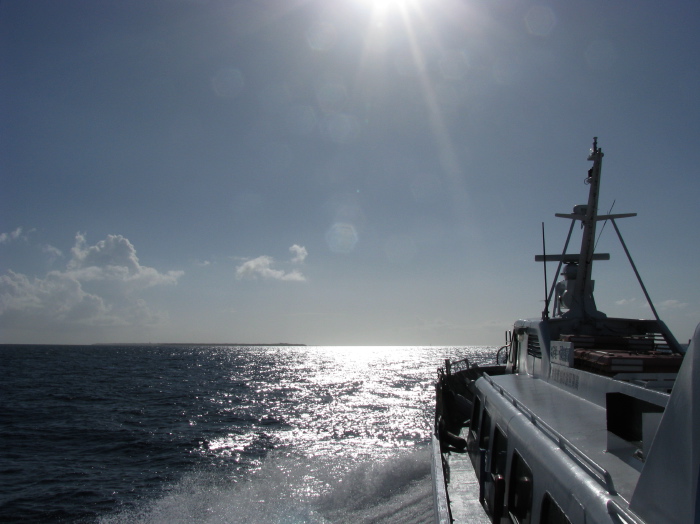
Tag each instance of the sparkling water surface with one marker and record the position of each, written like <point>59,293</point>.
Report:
<point>218,433</point>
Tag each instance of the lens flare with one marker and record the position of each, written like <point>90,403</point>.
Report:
<point>342,238</point>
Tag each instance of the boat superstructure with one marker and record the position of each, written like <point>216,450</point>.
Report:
<point>584,418</point>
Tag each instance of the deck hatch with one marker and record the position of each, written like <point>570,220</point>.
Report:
<point>626,417</point>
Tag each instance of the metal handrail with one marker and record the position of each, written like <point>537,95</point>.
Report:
<point>498,354</point>
<point>615,509</point>
<point>594,469</point>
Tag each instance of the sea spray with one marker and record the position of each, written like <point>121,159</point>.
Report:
<point>290,489</point>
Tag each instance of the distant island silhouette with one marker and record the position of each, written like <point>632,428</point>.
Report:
<point>190,344</point>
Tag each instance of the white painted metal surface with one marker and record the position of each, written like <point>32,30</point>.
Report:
<point>582,424</point>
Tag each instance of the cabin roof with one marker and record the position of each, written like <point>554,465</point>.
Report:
<point>579,421</point>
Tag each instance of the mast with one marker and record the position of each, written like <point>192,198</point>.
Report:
<point>574,294</point>
<point>583,289</point>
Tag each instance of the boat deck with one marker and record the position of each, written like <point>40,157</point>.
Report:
<point>464,489</point>
<point>581,422</point>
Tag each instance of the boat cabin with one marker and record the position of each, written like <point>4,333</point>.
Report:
<point>641,352</point>
<point>573,448</point>
<point>579,424</point>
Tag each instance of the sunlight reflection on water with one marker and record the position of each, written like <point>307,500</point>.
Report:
<point>307,434</point>
<point>354,401</point>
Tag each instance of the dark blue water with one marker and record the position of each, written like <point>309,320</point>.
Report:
<point>217,433</point>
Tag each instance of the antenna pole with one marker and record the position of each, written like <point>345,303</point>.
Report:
<point>561,261</point>
<point>545,312</point>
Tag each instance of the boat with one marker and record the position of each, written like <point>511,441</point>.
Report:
<point>582,418</point>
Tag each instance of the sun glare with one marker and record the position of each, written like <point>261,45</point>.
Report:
<point>410,26</point>
<point>383,6</point>
<point>384,3</point>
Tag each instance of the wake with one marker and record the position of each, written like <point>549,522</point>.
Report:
<point>290,489</point>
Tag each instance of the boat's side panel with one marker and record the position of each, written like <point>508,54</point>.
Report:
<point>441,504</point>
<point>675,452</point>
<point>552,467</point>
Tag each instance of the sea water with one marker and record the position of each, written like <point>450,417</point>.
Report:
<point>214,434</point>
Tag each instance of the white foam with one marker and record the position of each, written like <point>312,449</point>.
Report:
<point>296,489</point>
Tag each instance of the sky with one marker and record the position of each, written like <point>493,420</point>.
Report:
<point>345,172</point>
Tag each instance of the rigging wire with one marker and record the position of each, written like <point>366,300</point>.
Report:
<point>545,312</point>
<point>603,226</point>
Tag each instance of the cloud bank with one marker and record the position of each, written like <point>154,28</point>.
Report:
<point>261,267</point>
<point>664,305</point>
<point>6,238</point>
<point>99,286</point>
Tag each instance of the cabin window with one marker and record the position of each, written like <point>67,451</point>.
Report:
<point>500,452</point>
<point>520,496</point>
<point>485,431</point>
<point>494,484</point>
<point>476,411</point>
<point>552,513</point>
<point>533,345</point>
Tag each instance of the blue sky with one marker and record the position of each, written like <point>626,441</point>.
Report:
<point>347,172</point>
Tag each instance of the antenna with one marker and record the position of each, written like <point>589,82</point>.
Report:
<point>545,312</point>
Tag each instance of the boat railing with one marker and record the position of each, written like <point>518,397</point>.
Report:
<point>623,516</point>
<point>594,469</point>
<point>659,341</point>
<point>498,354</point>
<point>457,365</point>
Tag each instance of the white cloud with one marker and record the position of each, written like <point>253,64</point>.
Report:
<point>114,259</point>
<point>52,251</point>
<point>299,253</point>
<point>672,304</point>
<point>627,302</point>
<point>262,267</point>
<point>98,287</point>
<point>56,299</point>
<point>6,238</point>
<point>664,305</point>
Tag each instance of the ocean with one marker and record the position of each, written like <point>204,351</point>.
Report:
<point>218,434</point>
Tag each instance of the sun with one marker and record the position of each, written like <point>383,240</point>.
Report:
<point>381,6</point>
<point>382,3</point>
